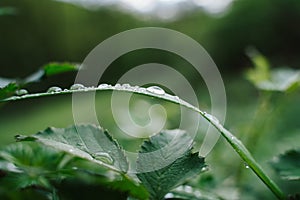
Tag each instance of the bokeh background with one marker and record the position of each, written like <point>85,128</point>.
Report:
<point>33,33</point>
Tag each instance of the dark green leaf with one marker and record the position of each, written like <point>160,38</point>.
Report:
<point>8,11</point>
<point>85,141</point>
<point>58,68</point>
<point>29,164</point>
<point>8,90</point>
<point>287,165</point>
<point>171,159</point>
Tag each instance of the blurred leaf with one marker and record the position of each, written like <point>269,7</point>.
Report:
<point>263,78</point>
<point>8,90</point>
<point>8,11</point>
<point>29,164</point>
<point>164,145</point>
<point>85,141</point>
<point>261,71</point>
<point>287,165</point>
<point>58,68</point>
<point>5,81</point>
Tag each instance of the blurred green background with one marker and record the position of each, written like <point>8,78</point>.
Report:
<point>33,33</point>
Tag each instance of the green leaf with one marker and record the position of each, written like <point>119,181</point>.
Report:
<point>58,68</point>
<point>162,148</point>
<point>8,90</point>
<point>287,165</point>
<point>282,79</point>
<point>85,141</point>
<point>261,70</point>
<point>29,164</point>
<point>8,87</point>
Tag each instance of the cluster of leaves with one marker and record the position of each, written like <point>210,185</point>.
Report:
<point>89,151</point>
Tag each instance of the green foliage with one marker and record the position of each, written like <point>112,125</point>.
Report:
<point>165,144</point>
<point>287,165</point>
<point>57,68</point>
<point>235,143</point>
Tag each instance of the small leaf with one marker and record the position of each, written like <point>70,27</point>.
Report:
<point>8,90</point>
<point>287,165</point>
<point>58,68</point>
<point>85,141</point>
<point>261,70</point>
<point>282,79</point>
<point>164,146</point>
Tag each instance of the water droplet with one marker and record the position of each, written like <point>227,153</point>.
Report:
<point>197,193</point>
<point>77,86</point>
<point>75,168</point>
<point>66,90</point>
<point>188,189</point>
<point>102,86</point>
<point>211,117</point>
<point>135,88</point>
<point>118,85</point>
<point>246,165</point>
<point>54,89</point>
<point>71,150</point>
<point>156,90</point>
<point>21,92</point>
<point>180,188</point>
<point>104,157</point>
<point>169,196</point>
<point>126,85</point>
<point>204,169</point>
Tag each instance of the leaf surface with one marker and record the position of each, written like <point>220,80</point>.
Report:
<point>85,141</point>
<point>287,165</point>
<point>172,160</point>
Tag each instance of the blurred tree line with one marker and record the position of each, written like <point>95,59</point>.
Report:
<point>46,30</point>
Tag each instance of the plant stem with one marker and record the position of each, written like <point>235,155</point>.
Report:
<point>248,158</point>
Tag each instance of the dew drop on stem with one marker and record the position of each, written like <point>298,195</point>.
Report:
<point>21,92</point>
<point>156,90</point>
<point>54,89</point>
<point>102,86</point>
<point>77,86</point>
